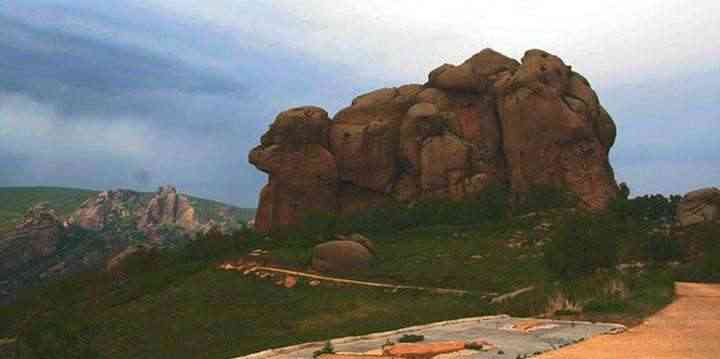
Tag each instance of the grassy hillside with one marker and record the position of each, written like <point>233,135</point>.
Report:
<point>176,303</point>
<point>15,201</point>
<point>213,210</point>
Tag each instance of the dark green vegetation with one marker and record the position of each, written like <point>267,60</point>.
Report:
<point>177,303</point>
<point>411,338</point>
<point>327,349</point>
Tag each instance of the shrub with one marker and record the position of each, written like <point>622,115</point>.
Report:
<point>706,268</point>
<point>327,349</point>
<point>606,305</point>
<point>411,338</point>
<point>662,248</point>
<point>489,205</point>
<point>583,244</point>
<point>543,197</point>
<point>649,208</point>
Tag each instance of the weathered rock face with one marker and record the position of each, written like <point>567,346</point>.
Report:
<point>43,229</point>
<point>489,120</point>
<point>553,133</point>
<point>701,206</point>
<point>341,256</point>
<point>108,207</point>
<point>303,172</point>
<point>168,207</point>
<point>37,236</point>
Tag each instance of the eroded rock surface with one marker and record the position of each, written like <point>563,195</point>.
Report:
<point>489,120</point>
<point>42,228</point>
<point>700,206</point>
<point>108,207</point>
<point>341,256</point>
<point>37,236</point>
<point>168,207</point>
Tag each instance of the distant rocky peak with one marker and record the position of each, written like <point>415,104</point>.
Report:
<point>166,190</point>
<point>168,207</point>
<point>39,215</point>
<point>116,195</point>
<point>106,207</point>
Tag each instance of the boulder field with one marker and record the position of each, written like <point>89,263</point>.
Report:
<point>488,120</point>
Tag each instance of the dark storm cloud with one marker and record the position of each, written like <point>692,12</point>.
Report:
<point>81,75</point>
<point>102,98</point>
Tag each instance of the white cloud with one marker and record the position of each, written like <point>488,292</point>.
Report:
<point>30,126</point>
<point>609,41</point>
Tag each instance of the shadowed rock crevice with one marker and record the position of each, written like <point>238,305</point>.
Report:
<point>488,120</point>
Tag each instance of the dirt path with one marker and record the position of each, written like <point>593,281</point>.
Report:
<point>253,269</point>
<point>688,328</point>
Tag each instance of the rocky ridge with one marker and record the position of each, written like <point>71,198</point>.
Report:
<point>102,231</point>
<point>488,120</point>
<point>165,207</point>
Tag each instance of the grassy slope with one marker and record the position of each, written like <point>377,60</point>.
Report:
<point>15,201</point>
<point>209,210</point>
<point>183,307</point>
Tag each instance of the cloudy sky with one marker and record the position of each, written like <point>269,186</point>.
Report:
<point>138,93</point>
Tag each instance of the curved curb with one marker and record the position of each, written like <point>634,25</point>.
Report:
<point>616,328</point>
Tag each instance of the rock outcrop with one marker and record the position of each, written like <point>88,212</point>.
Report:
<point>341,256</point>
<point>106,208</point>
<point>489,120</point>
<point>700,206</point>
<point>168,207</point>
<point>35,237</point>
<point>43,229</point>
<point>165,207</point>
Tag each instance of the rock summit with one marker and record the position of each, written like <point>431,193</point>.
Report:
<point>491,119</point>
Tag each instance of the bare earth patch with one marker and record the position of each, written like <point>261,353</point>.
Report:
<point>688,328</point>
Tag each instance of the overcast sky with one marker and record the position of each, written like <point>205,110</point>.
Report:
<point>139,93</point>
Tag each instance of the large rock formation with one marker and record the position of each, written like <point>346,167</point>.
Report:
<point>36,236</point>
<point>165,207</point>
<point>168,207</point>
<point>107,208</point>
<point>489,120</point>
<point>700,206</point>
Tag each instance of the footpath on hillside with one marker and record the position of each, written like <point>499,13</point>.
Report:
<point>688,328</point>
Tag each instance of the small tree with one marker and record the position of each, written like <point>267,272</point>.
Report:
<point>327,349</point>
<point>584,243</point>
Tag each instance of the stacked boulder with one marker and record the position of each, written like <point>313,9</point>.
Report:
<point>489,120</point>
<point>167,206</point>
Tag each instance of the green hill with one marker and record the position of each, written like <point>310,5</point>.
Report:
<point>15,201</point>
<point>179,304</point>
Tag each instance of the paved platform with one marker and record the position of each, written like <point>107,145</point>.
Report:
<point>504,337</point>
